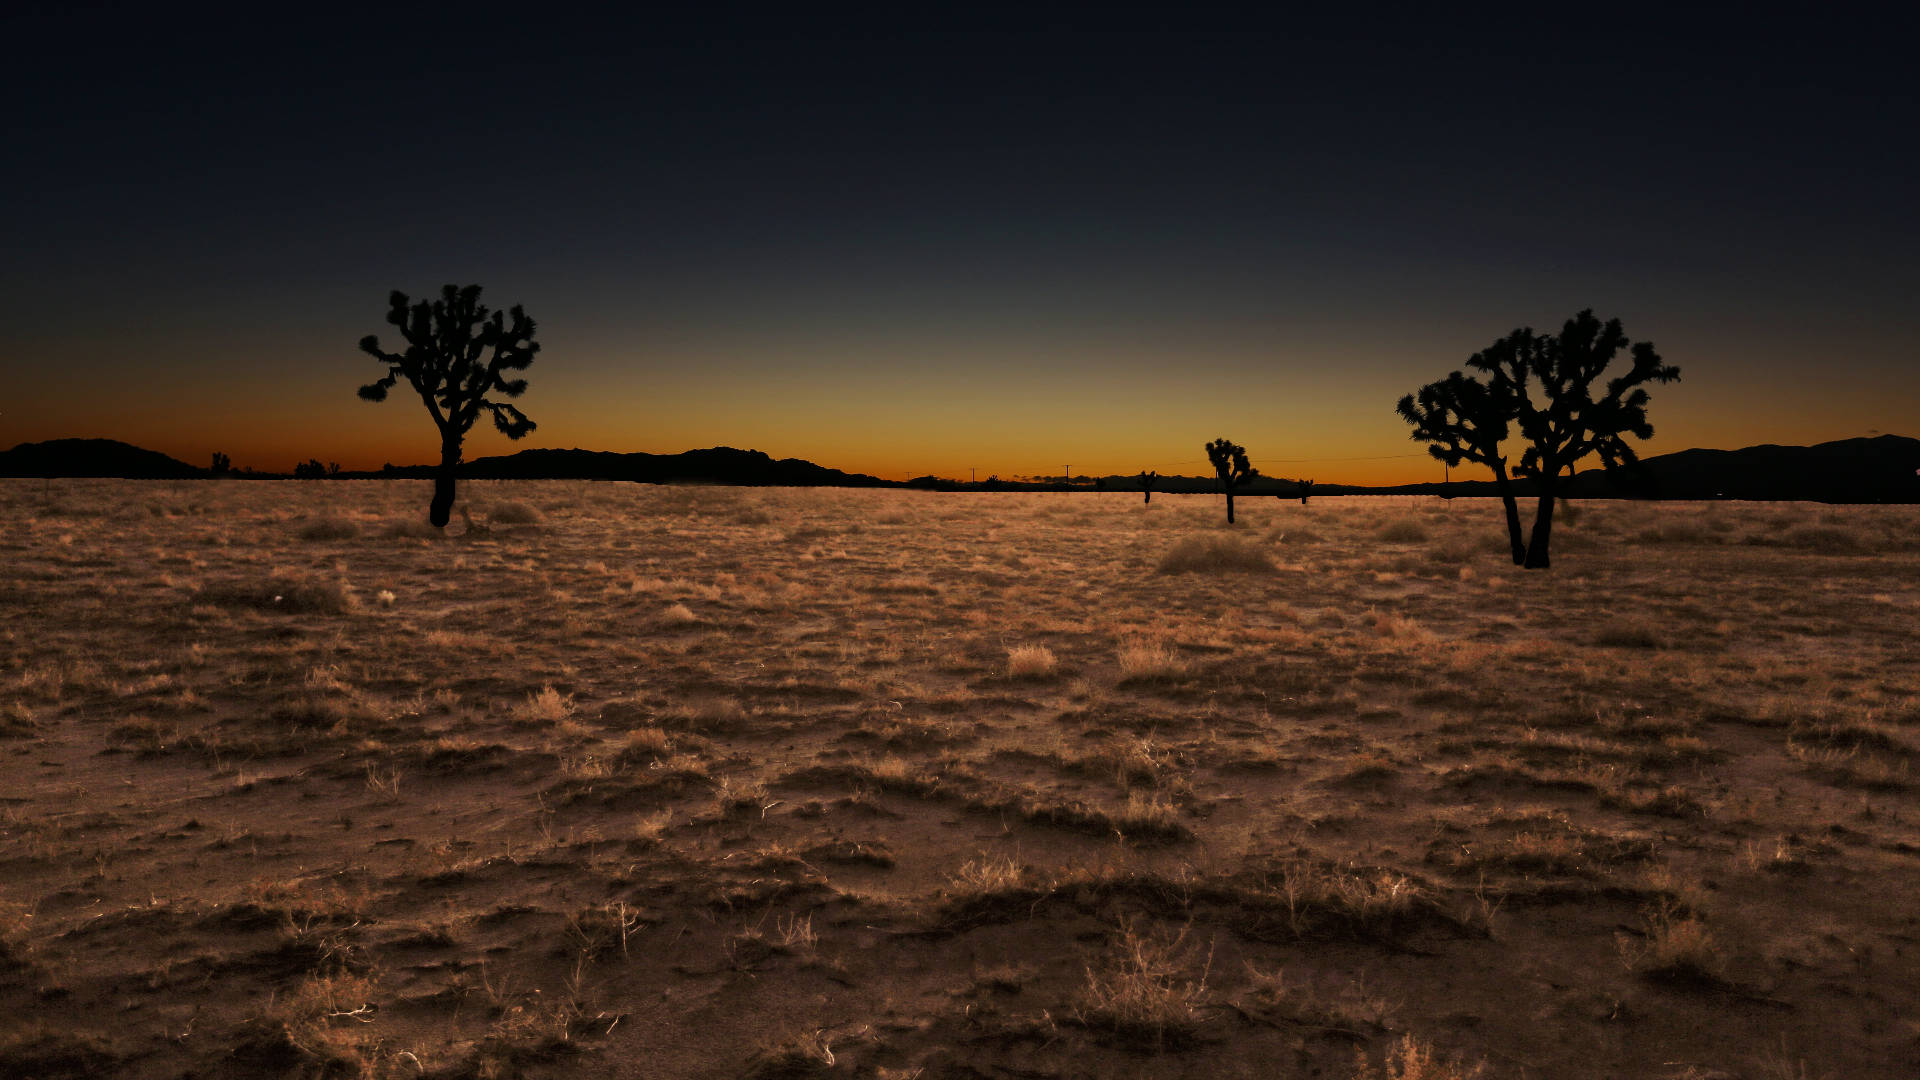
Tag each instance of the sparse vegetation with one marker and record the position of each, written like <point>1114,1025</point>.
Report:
<point>978,788</point>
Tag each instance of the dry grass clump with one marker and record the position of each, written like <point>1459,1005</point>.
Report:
<point>280,594</point>
<point>329,528</point>
<point>1141,995</point>
<point>1403,532</point>
<point>1822,540</point>
<point>1030,662</point>
<point>1677,949</point>
<point>512,513</point>
<point>1215,554</point>
<point>1409,1059</point>
<point>1147,661</point>
<point>410,529</point>
<point>798,1057</point>
<point>678,615</point>
<point>1628,633</point>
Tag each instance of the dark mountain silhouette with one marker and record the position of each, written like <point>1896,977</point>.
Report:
<point>92,457</point>
<point>719,465</point>
<point>1879,469</point>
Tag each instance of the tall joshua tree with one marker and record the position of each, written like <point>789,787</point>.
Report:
<point>1230,463</point>
<point>1464,419</point>
<point>1563,421</point>
<point>457,352</point>
<point>1544,384</point>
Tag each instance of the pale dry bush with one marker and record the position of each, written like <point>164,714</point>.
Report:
<point>1144,661</point>
<point>1215,554</point>
<point>1404,532</point>
<point>1140,993</point>
<point>1030,662</point>
<point>1409,1059</point>
<point>987,874</point>
<point>547,706</point>
<point>678,615</point>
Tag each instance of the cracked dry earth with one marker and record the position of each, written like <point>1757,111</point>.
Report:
<point>693,782</point>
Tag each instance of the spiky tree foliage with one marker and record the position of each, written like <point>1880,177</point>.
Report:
<point>1146,484</point>
<point>457,352</point>
<point>1553,379</point>
<point>1464,419</point>
<point>1230,464</point>
<point>1543,384</point>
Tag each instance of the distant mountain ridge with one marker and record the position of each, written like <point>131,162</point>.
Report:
<point>93,458</point>
<point>1883,468</point>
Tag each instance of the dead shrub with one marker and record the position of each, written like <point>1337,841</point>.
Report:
<point>1215,555</point>
<point>280,594</point>
<point>329,528</point>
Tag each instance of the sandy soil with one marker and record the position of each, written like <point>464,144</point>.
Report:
<point>712,783</point>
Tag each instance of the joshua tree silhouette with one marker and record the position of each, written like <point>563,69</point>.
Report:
<point>1146,484</point>
<point>1306,490</point>
<point>1466,420</point>
<point>222,464</point>
<point>455,356</point>
<point>1561,422</point>
<point>1570,423</point>
<point>1230,463</point>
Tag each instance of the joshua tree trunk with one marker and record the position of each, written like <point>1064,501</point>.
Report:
<point>1229,506</point>
<point>1542,534</point>
<point>1505,488</point>
<point>1149,494</point>
<point>442,508</point>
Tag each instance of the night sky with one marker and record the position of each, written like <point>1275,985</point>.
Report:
<point>903,250</point>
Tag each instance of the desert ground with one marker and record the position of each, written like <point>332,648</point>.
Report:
<point>634,781</point>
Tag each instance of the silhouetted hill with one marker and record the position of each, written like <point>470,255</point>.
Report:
<point>92,457</point>
<point>719,465</point>
<point>1878,469</point>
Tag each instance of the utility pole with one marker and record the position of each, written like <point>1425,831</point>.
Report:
<point>973,472</point>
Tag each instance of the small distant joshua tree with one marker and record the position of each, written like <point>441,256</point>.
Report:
<point>455,356</point>
<point>311,469</point>
<point>1230,463</point>
<point>1560,422</point>
<point>1306,491</point>
<point>1146,485</point>
<point>222,464</point>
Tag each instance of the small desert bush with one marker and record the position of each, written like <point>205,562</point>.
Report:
<point>410,529</point>
<point>1215,555</point>
<point>1146,661</point>
<point>1404,532</point>
<point>1825,540</point>
<point>1030,662</point>
<point>512,513</point>
<point>1140,994</point>
<point>1409,1059</point>
<point>1628,634</point>
<point>280,594</point>
<point>329,528</point>
<point>1677,949</point>
<point>678,615</point>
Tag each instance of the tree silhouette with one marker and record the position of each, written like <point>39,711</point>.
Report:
<point>1230,463</point>
<point>1306,490</point>
<point>222,464</point>
<point>1466,420</point>
<point>1146,484</point>
<point>1544,384</point>
<point>1567,422</point>
<point>455,356</point>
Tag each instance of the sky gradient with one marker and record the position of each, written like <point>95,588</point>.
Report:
<point>912,250</point>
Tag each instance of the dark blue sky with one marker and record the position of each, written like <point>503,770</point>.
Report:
<point>782,234</point>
